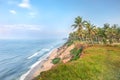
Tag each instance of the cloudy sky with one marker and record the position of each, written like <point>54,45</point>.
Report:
<point>34,19</point>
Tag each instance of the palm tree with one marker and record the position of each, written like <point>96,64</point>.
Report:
<point>84,30</point>
<point>91,31</point>
<point>78,25</point>
<point>118,34</point>
<point>110,32</point>
<point>73,36</point>
<point>106,30</point>
<point>114,32</point>
<point>100,34</point>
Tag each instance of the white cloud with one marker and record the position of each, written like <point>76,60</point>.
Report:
<point>12,11</point>
<point>25,4</point>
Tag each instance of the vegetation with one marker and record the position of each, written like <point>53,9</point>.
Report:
<point>76,53</point>
<point>68,43</point>
<point>98,63</point>
<point>91,34</point>
<point>56,60</point>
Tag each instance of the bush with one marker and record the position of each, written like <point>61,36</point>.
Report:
<point>56,60</point>
<point>69,43</point>
<point>76,53</point>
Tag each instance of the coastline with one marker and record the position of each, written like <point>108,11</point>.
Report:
<point>40,66</point>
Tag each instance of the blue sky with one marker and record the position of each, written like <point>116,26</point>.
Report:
<point>34,19</point>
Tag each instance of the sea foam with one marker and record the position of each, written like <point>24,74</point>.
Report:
<point>41,51</point>
<point>24,75</point>
<point>35,64</point>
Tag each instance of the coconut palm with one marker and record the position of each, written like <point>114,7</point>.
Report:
<point>100,34</point>
<point>84,30</point>
<point>114,32</point>
<point>110,32</point>
<point>118,34</point>
<point>90,30</point>
<point>78,25</point>
<point>106,30</point>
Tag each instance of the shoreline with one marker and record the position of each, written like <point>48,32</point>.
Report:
<point>40,66</point>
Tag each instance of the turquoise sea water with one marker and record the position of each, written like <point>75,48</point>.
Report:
<point>17,56</point>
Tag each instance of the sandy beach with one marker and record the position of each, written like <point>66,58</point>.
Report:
<point>40,67</point>
<point>46,64</point>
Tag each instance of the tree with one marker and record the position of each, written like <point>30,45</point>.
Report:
<point>78,25</point>
<point>106,30</point>
<point>91,31</point>
<point>85,31</point>
<point>118,34</point>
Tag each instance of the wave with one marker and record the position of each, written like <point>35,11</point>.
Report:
<point>35,64</point>
<point>45,49</point>
<point>35,54</point>
<point>42,58</point>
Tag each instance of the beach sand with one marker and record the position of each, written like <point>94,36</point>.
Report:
<point>63,53</point>
<point>42,66</point>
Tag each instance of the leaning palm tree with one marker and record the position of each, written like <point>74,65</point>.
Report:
<point>78,25</point>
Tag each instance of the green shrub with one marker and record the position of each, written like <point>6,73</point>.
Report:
<point>73,51</point>
<point>69,43</point>
<point>56,60</point>
<point>76,53</point>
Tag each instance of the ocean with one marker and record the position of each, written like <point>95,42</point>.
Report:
<point>17,57</point>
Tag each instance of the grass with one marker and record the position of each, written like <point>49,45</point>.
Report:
<point>97,63</point>
<point>56,60</point>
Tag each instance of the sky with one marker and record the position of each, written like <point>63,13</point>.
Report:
<point>36,19</point>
